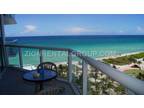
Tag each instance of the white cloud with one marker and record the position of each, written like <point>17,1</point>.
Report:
<point>77,30</point>
<point>121,31</point>
<point>140,29</point>
<point>29,28</point>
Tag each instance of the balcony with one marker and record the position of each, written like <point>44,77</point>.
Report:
<point>12,82</point>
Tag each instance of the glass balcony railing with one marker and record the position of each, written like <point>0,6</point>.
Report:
<point>86,75</point>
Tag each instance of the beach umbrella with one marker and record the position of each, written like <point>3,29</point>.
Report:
<point>5,19</point>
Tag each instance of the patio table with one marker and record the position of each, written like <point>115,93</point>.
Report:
<point>44,75</point>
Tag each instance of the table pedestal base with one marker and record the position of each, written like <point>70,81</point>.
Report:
<point>38,87</point>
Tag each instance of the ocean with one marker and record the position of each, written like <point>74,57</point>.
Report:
<point>94,46</point>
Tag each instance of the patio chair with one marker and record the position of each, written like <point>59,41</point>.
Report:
<point>47,66</point>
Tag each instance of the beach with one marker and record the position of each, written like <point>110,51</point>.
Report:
<point>120,55</point>
<point>78,63</point>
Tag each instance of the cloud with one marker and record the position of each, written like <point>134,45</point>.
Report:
<point>140,29</point>
<point>78,30</point>
<point>29,28</point>
<point>121,31</point>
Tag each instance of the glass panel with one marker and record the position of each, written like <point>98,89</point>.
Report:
<point>77,73</point>
<point>30,58</point>
<point>55,56</point>
<point>60,58</point>
<point>101,84</point>
<point>13,57</point>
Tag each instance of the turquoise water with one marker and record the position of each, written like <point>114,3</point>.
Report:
<point>94,46</point>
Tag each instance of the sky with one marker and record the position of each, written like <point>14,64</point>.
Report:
<point>76,24</point>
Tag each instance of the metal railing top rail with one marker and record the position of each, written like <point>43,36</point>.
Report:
<point>134,84</point>
<point>37,47</point>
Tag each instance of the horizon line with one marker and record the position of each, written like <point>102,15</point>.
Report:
<point>82,35</point>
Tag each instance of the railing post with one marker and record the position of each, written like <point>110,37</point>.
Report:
<point>41,55</point>
<point>69,66</point>
<point>85,77</point>
<point>6,56</point>
<point>20,57</point>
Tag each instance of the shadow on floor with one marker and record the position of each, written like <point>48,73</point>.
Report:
<point>12,83</point>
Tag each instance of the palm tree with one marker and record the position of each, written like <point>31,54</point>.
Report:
<point>63,70</point>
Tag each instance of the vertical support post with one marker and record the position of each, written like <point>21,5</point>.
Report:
<point>85,77</point>
<point>2,34</point>
<point>40,55</point>
<point>20,57</point>
<point>69,66</point>
<point>6,56</point>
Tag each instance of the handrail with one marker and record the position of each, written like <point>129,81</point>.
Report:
<point>37,47</point>
<point>134,84</point>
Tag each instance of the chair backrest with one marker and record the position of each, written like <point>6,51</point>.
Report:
<point>47,66</point>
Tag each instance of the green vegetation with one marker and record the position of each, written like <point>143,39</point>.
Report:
<point>62,71</point>
<point>136,73</point>
<point>104,85</point>
<point>138,56</point>
<point>124,59</point>
<point>99,83</point>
